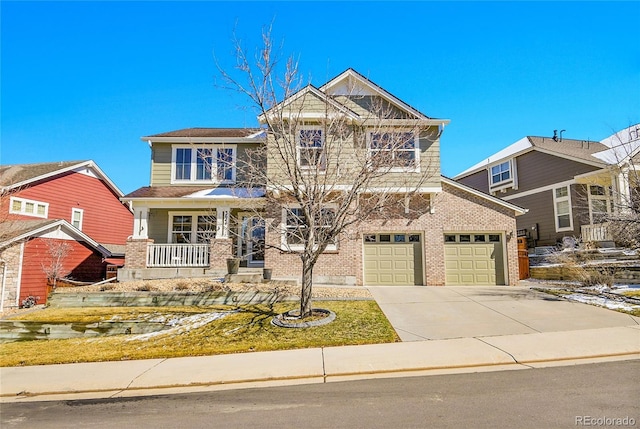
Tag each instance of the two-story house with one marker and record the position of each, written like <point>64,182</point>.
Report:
<point>60,216</point>
<point>570,187</point>
<point>199,210</point>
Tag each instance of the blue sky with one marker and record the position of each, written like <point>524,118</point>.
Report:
<point>85,80</point>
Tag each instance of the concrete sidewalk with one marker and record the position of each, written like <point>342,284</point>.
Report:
<point>445,330</point>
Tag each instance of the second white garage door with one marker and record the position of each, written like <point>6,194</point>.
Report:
<point>392,259</point>
<point>473,259</point>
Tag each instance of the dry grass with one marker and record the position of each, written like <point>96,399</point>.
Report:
<point>357,322</point>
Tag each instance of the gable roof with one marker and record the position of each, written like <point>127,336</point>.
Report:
<point>16,230</point>
<point>623,145</point>
<point>312,90</point>
<point>18,175</point>
<point>348,83</point>
<point>576,150</point>
<point>517,209</point>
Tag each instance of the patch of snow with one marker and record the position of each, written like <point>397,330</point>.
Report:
<point>601,302</point>
<point>179,325</point>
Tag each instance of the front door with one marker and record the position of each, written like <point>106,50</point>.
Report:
<point>252,240</point>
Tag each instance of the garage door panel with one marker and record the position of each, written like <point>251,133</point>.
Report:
<point>392,263</point>
<point>473,263</point>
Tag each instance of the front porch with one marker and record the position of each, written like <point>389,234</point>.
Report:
<point>598,233</point>
<point>146,260</point>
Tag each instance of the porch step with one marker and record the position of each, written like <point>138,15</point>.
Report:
<point>248,277</point>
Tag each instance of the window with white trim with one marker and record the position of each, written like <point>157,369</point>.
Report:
<point>398,150</point>
<point>26,207</point>
<point>295,228</point>
<point>310,148</point>
<point>191,227</point>
<point>502,176</point>
<point>76,218</point>
<point>213,164</point>
<point>562,209</point>
<point>599,203</point>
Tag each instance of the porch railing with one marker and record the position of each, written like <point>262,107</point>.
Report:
<point>596,232</point>
<point>178,255</point>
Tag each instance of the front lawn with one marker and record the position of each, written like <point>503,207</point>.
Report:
<point>247,330</point>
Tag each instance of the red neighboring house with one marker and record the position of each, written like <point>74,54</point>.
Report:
<point>50,209</point>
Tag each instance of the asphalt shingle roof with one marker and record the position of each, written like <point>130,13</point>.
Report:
<point>209,132</point>
<point>18,173</point>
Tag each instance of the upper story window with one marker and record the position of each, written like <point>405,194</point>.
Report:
<point>204,164</point>
<point>502,176</point>
<point>28,207</point>
<point>76,218</point>
<point>398,150</point>
<point>310,148</point>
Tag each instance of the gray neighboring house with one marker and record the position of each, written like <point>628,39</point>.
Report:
<point>567,185</point>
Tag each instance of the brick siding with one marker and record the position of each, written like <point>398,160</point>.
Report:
<point>454,210</point>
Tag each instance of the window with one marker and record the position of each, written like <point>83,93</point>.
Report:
<point>311,148</point>
<point>295,228</point>
<point>500,173</point>
<point>562,209</point>
<point>449,238</point>
<point>479,238</point>
<point>192,228</point>
<point>399,150</point>
<point>28,207</point>
<point>399,238</point>
<point>204,164</point>
<point>183,164</point>
<point>494,238</point>
<point>76,218</point>
<point>502,176</point>
<point>599,203</point>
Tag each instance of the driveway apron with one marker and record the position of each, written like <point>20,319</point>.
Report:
<point>420,313</point>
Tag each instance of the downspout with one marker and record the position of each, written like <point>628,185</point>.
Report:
<point>4,278</point>
<point>19,277</point>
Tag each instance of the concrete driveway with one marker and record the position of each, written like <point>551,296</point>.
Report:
<point>434,313</point>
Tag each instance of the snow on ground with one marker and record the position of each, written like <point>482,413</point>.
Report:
<point>179,325</point>
<point>602,302</point>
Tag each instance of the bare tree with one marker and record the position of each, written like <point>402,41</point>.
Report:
<point>618,205</point>
<point>57,251</point>
<point>326,173</point>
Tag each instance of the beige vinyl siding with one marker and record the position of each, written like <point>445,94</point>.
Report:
<point>366,104</point>
<point>158,224</point>
<point>161,164</point>
<point>349,158</point>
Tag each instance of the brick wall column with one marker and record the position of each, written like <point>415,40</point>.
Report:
<point>135,256</point>
<point>219,251</point>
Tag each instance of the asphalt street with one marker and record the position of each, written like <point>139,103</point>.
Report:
<point>556,397</point>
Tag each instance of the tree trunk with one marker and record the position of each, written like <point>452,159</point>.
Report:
<point>305,295</point>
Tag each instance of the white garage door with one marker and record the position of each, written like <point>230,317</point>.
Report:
<point>473,259</point>
<point>392,259</point>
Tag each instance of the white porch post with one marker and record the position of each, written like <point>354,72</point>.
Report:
<point>140,222</point>
<point>222,222</point>
<point>624,194</point>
